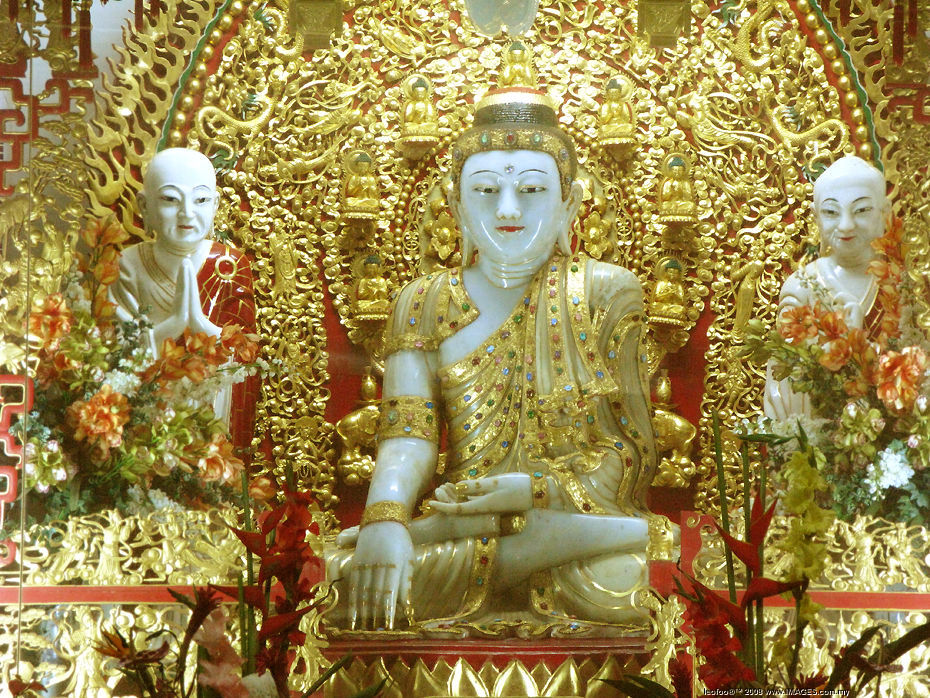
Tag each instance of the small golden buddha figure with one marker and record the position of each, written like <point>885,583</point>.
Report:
<point>419,117</point>
<point>517,70</point>
<point>674,436</point>
<point>676,193</point>
<point>360,194</point>
<point>616,120</point>
<point>372,296</point>
<point>419,122</point>
<point>668,297</point>
<point>358,430</point>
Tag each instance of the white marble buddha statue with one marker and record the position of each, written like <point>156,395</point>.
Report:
<point>851,210</point>
<point>529,358</point>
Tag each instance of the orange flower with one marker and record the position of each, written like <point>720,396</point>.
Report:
<point>170,366</point>
<point>899,376</point>
<point>103,308</point>
<point>243,346</point>
<point>101,233</point>
<point>99,421</point>
<point>219,463</point>
<point>208,348</point>
<point>51,366</point>
<point>891,244</point>
<point>51,322</point>
<point>106,270</point>
<point>796,324</point>
<point>262,489</point>
<point>832,323</point>
<point>836,354</point>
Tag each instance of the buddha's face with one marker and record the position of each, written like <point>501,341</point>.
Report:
<point>179,197</point>
<point>851,215</point>
<point>510,204</point>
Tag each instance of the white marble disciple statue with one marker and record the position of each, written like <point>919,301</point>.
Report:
<point>851,210</point>
<point>529,358</point>
<point>182,278</point>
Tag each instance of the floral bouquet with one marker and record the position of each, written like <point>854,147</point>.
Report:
<point>112,427</point>
<point>729,653</point>
<point>868,391</point>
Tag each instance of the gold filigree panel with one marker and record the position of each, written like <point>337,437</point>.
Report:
<point>55,644</point>
<point>165,547</point>
<point>868,555</point>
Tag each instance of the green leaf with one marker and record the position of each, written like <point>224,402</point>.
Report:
<point>318,684</point>
<point>372,691</point>
<point>639,687</point>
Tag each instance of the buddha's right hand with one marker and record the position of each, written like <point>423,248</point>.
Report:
<point>381,575</point>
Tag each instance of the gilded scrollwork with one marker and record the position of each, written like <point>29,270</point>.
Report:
<point>167,547</point>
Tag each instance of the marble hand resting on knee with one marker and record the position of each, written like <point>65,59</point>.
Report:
<point>529,360</point>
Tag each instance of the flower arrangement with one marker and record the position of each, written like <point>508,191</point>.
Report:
<point>868,389</point>
<point>730,654</point>
<point>288,588</point>
<point>112,427</point>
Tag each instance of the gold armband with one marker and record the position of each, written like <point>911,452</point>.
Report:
<point>385,511</point>
<point>540,485</point>
<point>512,524</point>
<point>409,415</point>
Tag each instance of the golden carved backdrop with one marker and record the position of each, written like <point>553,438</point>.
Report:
<point>757,95</point>
<point>748,98</point>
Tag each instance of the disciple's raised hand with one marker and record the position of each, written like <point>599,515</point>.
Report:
<point>186,310</point>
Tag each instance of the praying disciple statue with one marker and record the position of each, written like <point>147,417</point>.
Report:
<point>851,210</point>
<point>528,358</point>
<point>182,279</point>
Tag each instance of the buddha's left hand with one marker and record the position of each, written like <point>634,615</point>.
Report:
<point>510,492</point>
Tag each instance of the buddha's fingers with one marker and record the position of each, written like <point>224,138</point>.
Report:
<point>353,597</point>
<point>364,593</point>
<point>405,591</point>
<point>390,596</point>
<point>379,590</point>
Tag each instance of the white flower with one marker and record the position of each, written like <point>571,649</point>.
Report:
<point>52,446</point>
<point>125,383</point>
<point>891,470</point>
<point>160,500</point>
<point>60,474</point>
